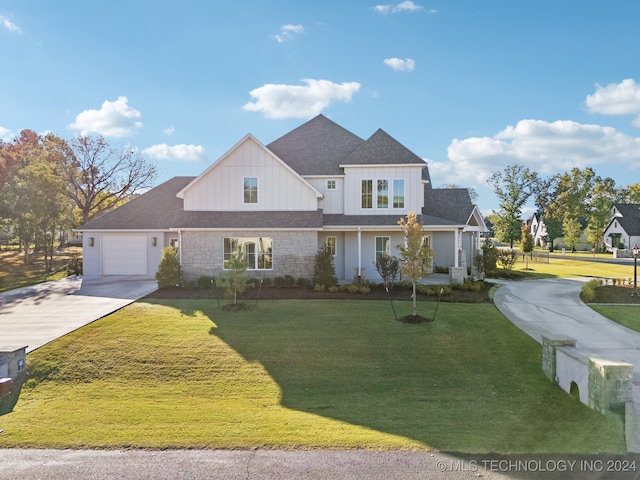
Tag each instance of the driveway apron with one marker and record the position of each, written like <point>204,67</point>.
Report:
<point>34,316</point>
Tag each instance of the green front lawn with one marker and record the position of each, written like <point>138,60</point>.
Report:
<point>629,316</point>
<point>301,374</point>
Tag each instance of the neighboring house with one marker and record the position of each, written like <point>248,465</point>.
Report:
<point>538,230</point>
<point>318,184</point>
<point>623,231</point>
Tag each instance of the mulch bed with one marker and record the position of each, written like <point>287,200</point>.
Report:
<point>398,292</point>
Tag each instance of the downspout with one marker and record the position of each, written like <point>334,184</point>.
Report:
<point>359,252</point>
<point>180,246</point>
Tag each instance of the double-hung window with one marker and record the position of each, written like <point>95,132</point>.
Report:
<point>398,193</point>
<point>367,193</point>
<point>383,194</point>
<point>250,190</point>
<point>383,246</point>
<point>332,245</point>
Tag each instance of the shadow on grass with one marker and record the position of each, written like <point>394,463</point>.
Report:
<point>11,399</point>
<point>470,381</point>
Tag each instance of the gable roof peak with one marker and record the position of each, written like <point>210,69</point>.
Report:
<point>382,149</point>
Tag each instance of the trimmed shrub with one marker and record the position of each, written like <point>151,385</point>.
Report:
<point>324,270</point>
<point>169,272</point>
<point>205,281</point>
<point>289,281</point>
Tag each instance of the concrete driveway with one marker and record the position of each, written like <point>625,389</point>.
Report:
<point>33,316</point>
<point>552,307</point>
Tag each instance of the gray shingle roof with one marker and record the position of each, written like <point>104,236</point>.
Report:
<point>238,220</point>
<point>316,147</point>
<point>153,210</point>
<point>450,203</point>
<point>630,220</point>
<point>338,220</point>
<point>382,148</point>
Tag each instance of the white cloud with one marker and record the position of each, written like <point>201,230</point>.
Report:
<point>287,32</point>
<point>9,25</point>
<point>400,65</point>
<point>169,130</point>
<point>616,99</point>
<point>114,119</point>
<point>299,101</point>
<point>545,147</point>
<point>406,6</point>
<point>6,135</point>
<point>180,153</point>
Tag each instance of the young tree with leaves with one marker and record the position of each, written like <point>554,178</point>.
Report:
<point>415,254</point>
<point>513,186</point>
<point>526,243</point>
<point>235,280</point>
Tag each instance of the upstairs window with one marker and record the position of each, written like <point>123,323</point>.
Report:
<point>250,190</point>
<point>331,184</point>
<point>398,193</point>
<point>367,193</point>
<point>383,194</point>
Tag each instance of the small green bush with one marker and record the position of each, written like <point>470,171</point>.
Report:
<point>333,288</point>
<point>205,281</point>
<point>278,282</point>
<point>303,282</point>
<point>289,281</point>
<point>74,266</point>
<point>441,269</point>
<point>266,282</point>
<point>169,272</point>
<point>319,287</point>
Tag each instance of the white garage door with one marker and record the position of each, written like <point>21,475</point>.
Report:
<point>124,255</point>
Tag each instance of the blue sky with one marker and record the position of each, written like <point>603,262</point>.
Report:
<point>470,86</point>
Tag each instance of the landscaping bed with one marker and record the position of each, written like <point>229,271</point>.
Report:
<point>471,292</point>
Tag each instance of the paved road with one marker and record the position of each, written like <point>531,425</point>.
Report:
<point>33,316</point>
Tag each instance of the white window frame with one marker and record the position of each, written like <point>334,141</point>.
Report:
<point>393,192</point>
<point>331,184</point>
<point>387,250</point>
<point>245,191</point>
<point>332,244</point>
<point>257,254</point>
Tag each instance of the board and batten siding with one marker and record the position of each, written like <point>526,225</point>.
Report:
<point>413,188</point>
<point>333,201</point>
<point>221,188</point>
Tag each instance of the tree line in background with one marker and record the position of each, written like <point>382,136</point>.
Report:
<point>49,185</point>
<point>568,203</point>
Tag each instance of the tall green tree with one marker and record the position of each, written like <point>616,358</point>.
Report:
<point>34,198</point>
<point>415,254</point>
<point>513,186</point>
<point>549,209</point>
<point>633,193</point>
<point>603,196</point>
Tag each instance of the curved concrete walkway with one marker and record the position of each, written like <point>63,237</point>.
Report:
<point>36,315</point>
<point>552,307</point>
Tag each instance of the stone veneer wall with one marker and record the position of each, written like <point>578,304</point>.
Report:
<point>293,252</point>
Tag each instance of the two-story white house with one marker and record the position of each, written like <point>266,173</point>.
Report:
<point>623,231</point>
<point>279,203</point>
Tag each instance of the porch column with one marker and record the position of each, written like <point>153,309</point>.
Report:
<point>359,252</point>
<point>456,243</point>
